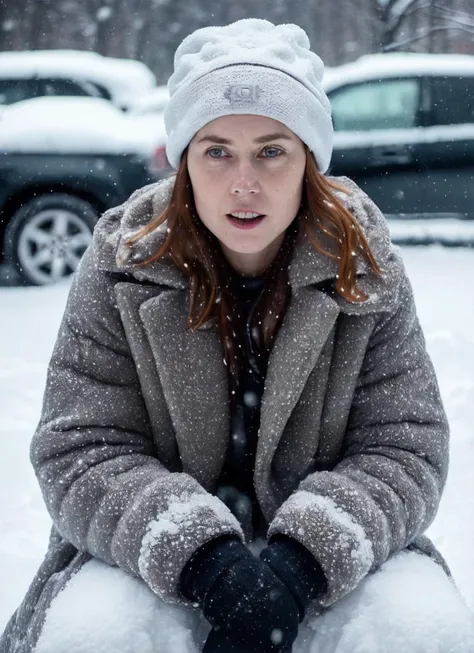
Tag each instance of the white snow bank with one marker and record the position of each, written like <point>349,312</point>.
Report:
<point>409,605</point>
<point>114,612</point>
<point>446,231</point>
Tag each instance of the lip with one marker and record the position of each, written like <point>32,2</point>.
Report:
<point>247,209</point>
<point>246,225</point>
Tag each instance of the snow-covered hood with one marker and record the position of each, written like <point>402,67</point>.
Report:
<point>73,125</point>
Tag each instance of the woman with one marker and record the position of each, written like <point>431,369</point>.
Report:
<point>240,361</point>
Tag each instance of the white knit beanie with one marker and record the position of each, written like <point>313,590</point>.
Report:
<point>248,67</point>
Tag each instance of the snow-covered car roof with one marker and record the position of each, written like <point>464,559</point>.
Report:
<point>380,66</point>
<point>78,125</point>
<point>153,101</point>
<point>123,78</point>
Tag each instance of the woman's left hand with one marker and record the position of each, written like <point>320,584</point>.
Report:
<point>298,570</point>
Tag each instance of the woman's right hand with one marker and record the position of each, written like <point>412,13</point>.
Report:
<point>241,598</point>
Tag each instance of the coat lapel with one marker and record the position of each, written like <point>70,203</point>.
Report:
<point>190,364</point>
<point>308,323</point>
<point>130,296</point>
<point>194,381</point>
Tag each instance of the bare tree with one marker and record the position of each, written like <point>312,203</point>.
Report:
<point>399,24</point>
<point>439,18</point>
<point>150,30</point>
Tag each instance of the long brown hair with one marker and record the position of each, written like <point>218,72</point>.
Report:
<point>196,252</point>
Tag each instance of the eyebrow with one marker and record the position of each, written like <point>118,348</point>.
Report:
<point>261,139</point>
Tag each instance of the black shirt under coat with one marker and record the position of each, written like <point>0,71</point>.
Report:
<point>235,485</point>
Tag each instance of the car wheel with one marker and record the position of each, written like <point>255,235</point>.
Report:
<point>46,238</point>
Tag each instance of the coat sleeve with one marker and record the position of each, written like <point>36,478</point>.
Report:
<point>386,488</point>
<point>94,455</point>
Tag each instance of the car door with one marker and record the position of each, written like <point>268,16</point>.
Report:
<point>448,153</point>
<point>378,137</point>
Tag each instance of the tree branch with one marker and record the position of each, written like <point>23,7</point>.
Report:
<point>393,23</point>
<point>453,16</point>
<point>370,15</point>
<point>394,20</point>
<point>381,15</point>
<point>419,37</point>
<point>418,8</point>
<point>459,14</point>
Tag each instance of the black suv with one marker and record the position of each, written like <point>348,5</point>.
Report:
<point>404,131</point>
<point>50,202</point>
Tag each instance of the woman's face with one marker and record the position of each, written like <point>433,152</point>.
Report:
<point>247,164</point>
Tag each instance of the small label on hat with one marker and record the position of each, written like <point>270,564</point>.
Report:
<point>238,93</point>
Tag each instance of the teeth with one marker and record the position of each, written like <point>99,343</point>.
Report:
<point>245,216</point>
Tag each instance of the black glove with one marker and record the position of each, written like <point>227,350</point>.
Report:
<point>220,642</point>
<point>240,596</point>
<point>297,568</point>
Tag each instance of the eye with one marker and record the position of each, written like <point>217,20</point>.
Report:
<point>268,153</point>
<point>272,152</point>
<point>215,152</point>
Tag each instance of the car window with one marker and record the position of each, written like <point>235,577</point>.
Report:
<point>103,92</point>
<point>16,90</point>
<point>62,87</point>
<point>384,104</point>
<point>452,100</point>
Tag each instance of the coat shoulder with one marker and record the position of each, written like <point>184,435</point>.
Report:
<point>366,212</point>
<point>119,223</point>
<point>384,293</point>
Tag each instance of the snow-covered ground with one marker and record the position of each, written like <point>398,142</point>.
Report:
<point>442,280</point>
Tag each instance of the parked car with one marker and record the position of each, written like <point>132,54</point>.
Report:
<point>35,73</point>
<point>404,131</point>
<point>147,112</point>
<point>63,161</point>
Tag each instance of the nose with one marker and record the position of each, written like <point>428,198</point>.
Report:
<point>245,182</point>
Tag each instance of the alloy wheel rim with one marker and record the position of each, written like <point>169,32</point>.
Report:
<point>51,245</point>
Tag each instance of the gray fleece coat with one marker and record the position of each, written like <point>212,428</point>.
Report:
<point>353,444</point>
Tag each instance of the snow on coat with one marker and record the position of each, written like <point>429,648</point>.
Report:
<point>353,444</point>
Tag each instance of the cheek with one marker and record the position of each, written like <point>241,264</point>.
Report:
<point>205,200</point>
<point>209,195</point>
<point>203,182</point>
<point>287,189</point>
<point>200,187</point>
<point>289,174</point>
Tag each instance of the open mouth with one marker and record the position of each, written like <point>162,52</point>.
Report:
<point>245,220</point>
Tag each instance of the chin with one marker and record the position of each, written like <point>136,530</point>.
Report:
<point>233,247</point>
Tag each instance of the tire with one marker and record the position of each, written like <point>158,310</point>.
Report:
<point>47,236</point>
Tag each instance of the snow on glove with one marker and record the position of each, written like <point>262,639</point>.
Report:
<point>240,596</point>
<point>297,568</point>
